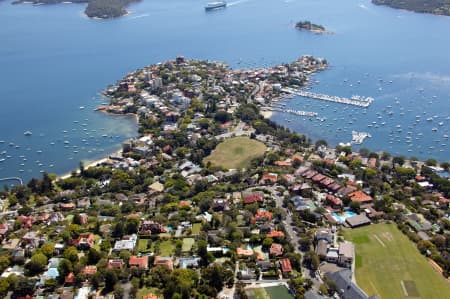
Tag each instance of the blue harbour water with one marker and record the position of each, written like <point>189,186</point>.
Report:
<point>54,61</point>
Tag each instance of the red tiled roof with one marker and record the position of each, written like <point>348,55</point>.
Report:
<point>285,265</point>
<point>89,270</point>
<point>163,261</point>
<point>318,177</point>
<point>359,196</point>
<point>262,215</point>
<point>283,163</point>
<point>276,249</point>
<point>252,198</point>
<point>275,233</point>
<point>334,200</point>
<point>150,296</point>
<point>140,262</point>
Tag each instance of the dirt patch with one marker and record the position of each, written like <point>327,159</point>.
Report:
<point>387,236</point>
<point>409,288</point>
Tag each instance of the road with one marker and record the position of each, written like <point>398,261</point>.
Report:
<point>293,236</point>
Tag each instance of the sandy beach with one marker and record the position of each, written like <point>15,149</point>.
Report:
<point>88,164</point>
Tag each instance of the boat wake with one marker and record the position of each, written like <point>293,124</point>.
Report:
<point>139,16</point>
<point>236,2</point>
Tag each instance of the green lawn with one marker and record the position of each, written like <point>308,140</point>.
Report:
<point>278,292</point>
<point>142,245</point>
<point>236,152</point>
<point>166,248</point>
<point>257,293</point>
<point>187,244</point>
<point>196,227</point>
<point>389,265</point>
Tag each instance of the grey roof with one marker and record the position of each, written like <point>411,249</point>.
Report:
<point>346,288</point>
<point>358,220</point>
<point>312,295</point>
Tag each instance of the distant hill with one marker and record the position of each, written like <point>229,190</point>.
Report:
<point>437,7</point>
<point>95,9</point>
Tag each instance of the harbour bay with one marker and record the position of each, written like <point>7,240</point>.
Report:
<point>55,61</point>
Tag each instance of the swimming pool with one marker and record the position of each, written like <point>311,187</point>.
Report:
<point>342,216</point>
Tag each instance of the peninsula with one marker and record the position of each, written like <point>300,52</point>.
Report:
<point>101,9</point>
<point>307,25</point>
<point>437,7</point>
<point>214,201</point>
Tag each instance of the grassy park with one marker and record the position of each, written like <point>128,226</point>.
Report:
<point>389,265</point>
<point>236,152</point>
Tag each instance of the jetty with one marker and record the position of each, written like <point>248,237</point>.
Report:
<point>12,179</point>
<point>355,100</point>
<point>291,111</point>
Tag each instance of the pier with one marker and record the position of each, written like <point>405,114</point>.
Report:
<point>358,101</point>
<point>291,111</point>
<point>12,179</point>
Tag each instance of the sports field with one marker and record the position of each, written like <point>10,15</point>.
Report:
<point>276,292</point>
<point>389,265</point>
<point>236,152</point>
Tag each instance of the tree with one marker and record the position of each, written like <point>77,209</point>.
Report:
<point>48,249</point>
<point>355,206</point>
<point>93,256</point>
<point>71,253</point>
<point>4,286</point>
<point>110,280</point>
<point>64,268</point>
<point>4,262</point>
<point>37,264</point>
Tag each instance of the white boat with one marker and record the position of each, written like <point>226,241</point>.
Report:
<point>27,133</point>
<point>215,5</point>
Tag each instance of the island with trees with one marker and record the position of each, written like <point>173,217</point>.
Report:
<point>437,7</point>
<point>307,25</point>
<point>102,9</point>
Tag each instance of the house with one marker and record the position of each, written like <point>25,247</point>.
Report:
<point>189,262</point>
<point>346,254</point>
<point>70,278</point>
<point>275,233</point>
<point>156,187</point>
<point>10,244</point>
<point>150,296</point>
<point>262,216</point>
<point>252,197</point>
<point>244,252</point>
<point>333,201</point>
<point>269,178</point>
<point>3,230</point>
<point>127,243</point>
<point>67,206</point>
<point>276,249</point>
<point>89,270</point>
<point>312,295</point>
<point>321,249</point>
<point>149,227</point>
<point>346,288</point>
<point>84,241</point>
<point>360,196</point>
<point>139,262</point>
<point>264,265</point>
<point>115,264</point>
<point>357,220</point>
<point>164,262</point>
<point>285,265</point>
<point>332,255</point>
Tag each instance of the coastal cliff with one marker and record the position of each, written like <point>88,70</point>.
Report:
<point>102,9</point>
<point>437,7</point>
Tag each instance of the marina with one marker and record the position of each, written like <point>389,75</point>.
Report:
<point>355,100</point>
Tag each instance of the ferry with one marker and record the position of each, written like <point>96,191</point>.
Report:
<point>215,5</point>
